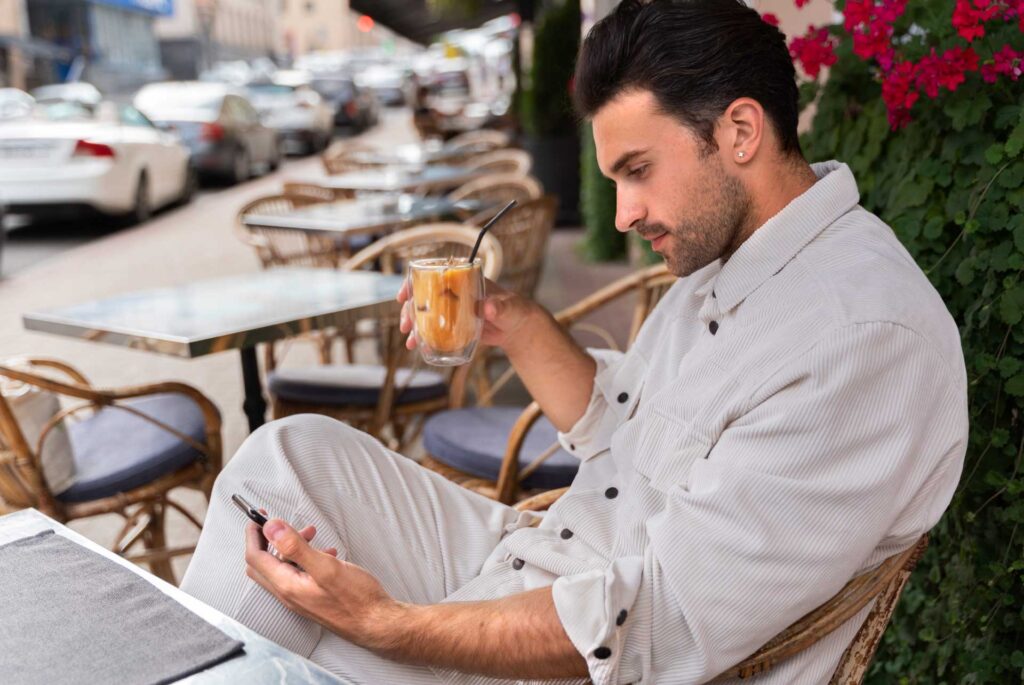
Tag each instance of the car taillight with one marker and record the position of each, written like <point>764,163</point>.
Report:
<point>84,148</point>
<point>212,132</point>
<point>350,108</point>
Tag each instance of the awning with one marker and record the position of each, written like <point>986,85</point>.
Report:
<point>412,18</point>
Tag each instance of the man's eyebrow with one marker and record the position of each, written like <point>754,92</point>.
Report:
<point>625,159</point>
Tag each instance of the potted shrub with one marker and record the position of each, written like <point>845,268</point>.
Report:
<point>550,130</point>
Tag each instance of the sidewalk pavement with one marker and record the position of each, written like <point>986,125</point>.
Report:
<point>198,242</point>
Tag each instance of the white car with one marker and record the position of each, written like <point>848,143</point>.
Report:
<point>113,160</point>
<point>302,119</point>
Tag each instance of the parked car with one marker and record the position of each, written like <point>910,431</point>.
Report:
<point>217,122</point>
<point>302,119</point>
<point>83,93</point>
<point>387,83</point>
<point>112,159</point>
<point>15,103</point>
<point>355,108</point>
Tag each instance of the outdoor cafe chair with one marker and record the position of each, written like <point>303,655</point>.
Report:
<point>338,159</point>
<point>283,246</point>
<point>506,453</point>
<point>495,190</point>
<point>882,585</point>
<point>480,140</point>
<point>130,447</point>
<point>388,399</point>
<point>313,192</point>
<point>505,161</point>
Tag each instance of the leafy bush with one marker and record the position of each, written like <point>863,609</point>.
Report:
<point>597,205</point>
<point>924,105</point>
<point>546,108</point>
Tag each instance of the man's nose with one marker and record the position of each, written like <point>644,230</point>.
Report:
<point>627,212</point>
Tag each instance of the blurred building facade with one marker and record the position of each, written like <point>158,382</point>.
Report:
<point>325,25</point>
<point>110,43</point>
<point>200,33</point>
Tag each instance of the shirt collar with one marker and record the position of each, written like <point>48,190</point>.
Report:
<point>780,238</point>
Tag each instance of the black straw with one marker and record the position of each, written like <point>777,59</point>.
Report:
<point>480,238</point>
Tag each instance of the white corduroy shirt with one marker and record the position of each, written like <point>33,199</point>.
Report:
<point>783,423</point>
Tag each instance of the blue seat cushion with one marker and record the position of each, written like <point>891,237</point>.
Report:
<point>474,442</point>
<point>352,384</point>
<point>115,450</point>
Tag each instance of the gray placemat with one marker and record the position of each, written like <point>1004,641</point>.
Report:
<point>67,615</point>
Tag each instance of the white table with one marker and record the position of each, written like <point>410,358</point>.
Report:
<point>263,662</point>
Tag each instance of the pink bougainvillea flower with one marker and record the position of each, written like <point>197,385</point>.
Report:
<point>770,18</point>
<point>969,17</point>
<point>814,49</point>
<point>1006,62</point>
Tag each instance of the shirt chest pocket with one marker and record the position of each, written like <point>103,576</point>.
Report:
<point>667,449</point>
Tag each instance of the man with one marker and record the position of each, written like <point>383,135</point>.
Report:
<point>793,412</point>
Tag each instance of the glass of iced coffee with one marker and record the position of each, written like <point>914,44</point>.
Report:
<point>446,295</point>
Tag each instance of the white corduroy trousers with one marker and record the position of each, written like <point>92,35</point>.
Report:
<point>421,535</point>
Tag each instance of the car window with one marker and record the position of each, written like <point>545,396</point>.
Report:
<point>133,117</point>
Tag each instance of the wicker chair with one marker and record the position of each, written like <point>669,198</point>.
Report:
<point>311,192</point>
<point>387,400</point>
<point>133,448</point>
<point>506,161</point>
<point>495,189</point>
<point>882,585</point>
<point>285,247</point>
<point>482,139</point>
<point>337,159</point>
<point>514,451</point>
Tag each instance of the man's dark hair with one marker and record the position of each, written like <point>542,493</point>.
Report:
<point>696,57</point>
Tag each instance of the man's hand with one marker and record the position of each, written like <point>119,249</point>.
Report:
<point>342,597</point>
<point>505,316</point>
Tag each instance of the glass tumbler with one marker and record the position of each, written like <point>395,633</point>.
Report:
<point>446,295</point>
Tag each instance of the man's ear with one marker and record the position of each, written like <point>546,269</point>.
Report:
<point>741,130</point>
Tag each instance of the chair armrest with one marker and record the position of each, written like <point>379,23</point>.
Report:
<point>542,501</point>
<point>66,369</point>
<point>508,475</point>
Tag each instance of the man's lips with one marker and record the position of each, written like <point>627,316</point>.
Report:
<point>658,241</point>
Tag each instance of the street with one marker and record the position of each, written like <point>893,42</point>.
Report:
<point>30,242</point>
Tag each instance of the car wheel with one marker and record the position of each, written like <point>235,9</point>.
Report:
<point>142,210</point>
<point>275,159</point>
<point>191,185</point>
<point>242,166</point>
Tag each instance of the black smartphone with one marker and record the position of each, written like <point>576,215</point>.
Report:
<point>251,511</point>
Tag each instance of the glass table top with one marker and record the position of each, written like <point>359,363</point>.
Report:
<point>396,180</point>
<point>363,214</point>
<point>235,312</point>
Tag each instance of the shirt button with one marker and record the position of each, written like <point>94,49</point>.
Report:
<point>602,652</point>
<point>621,617</point>
<point>517,564</point>
<point>713,294</point>
<point>611,493</point>
<point>623,396</point>
<point>572,447</point>
<point>713,327</point>
<point>566,533</point>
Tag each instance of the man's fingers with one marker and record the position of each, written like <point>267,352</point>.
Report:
<point>294,547</point>
<point>403,292</point>
<point>308,533</point>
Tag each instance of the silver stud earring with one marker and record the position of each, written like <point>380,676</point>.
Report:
<point>741,154</point>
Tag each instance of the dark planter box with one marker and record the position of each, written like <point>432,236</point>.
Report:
<point>556,164</point>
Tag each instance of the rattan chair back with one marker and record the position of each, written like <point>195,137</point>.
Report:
<point>505,161</point>
<point>495,190</point>
<point>282,246</point>
<point>309,192</point>
<point>523,233</point>
<point>143,508</point>
<point>481,139</point>
<point>338,157</point>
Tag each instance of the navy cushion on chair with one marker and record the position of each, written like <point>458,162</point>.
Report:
<point>474,441</point>
<point>352,384</point>
<point>116,450</point>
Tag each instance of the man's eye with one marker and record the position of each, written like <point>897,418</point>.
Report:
<point>638,172</point>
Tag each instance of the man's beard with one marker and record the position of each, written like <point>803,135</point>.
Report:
<point>713,233</point>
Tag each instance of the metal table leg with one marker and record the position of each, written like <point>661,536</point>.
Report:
<point>255,405</point>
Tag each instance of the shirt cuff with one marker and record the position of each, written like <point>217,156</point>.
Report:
<point>579,440</point>
<point>594,609</point>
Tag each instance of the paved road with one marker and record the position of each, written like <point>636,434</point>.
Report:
<point>30,242</point>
